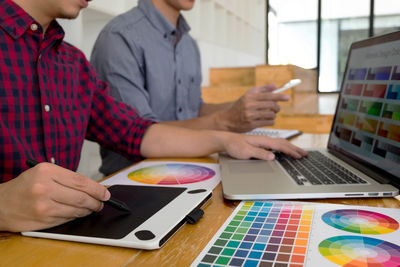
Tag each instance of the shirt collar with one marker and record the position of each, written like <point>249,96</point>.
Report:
<point>15,21</point>
<point>159,21</point>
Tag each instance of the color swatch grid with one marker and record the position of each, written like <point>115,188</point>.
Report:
<point>262,234</point>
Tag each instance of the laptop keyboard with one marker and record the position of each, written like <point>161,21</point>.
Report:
<point>317,169</point>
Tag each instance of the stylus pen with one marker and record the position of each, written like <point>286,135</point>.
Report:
<point>115,203</point>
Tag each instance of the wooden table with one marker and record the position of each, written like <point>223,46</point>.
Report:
<point>180,250</point>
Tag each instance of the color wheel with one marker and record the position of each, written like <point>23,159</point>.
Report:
<point>360,251</point>
<point>172,174</point>
<point>360,221</point>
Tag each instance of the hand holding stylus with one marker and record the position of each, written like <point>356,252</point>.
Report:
<point>47,195</point>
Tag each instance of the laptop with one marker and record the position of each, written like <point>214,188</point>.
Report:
<point>362,158</point>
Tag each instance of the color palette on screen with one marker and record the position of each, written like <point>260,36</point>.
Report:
<point>360,251</point>
<point>172,174</point>
<point>262,234</point>
<point>360,221</point>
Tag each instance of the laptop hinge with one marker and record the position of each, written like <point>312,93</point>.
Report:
<point>362,168</point>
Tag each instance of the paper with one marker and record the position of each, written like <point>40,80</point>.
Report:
<point>279,233</point>
<point>169,173</point>
<point>275,133</point>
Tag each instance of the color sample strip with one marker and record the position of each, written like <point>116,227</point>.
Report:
<point>360,251</point>
<point>172,174</point>
<point>387,151</point>
<point>371,108</point>
<point>353,89</point>
<point>357,74</point>
<point>379,73</point>
<point>391,111</point>
<point>390,131</point>
<point>262,234</point>
<point>396,73</point>
<point>360,221</point>
<point>393,92</point>
<point>375,90</point>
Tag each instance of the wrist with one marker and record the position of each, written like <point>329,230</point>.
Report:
<point>223,121</point>
<point>3,202</point>
<point>219,140</point>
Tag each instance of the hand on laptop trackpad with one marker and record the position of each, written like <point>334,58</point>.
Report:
<point>252,166</point>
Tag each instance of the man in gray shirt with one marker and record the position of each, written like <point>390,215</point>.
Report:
<point>152,63</point>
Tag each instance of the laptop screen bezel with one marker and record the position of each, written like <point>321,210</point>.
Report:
<point>368,168</point>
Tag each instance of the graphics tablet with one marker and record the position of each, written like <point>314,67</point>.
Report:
<point>157,213</point>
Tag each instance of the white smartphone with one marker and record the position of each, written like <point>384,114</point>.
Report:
<point>288,85</point>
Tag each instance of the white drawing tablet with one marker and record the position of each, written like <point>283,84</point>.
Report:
<point>157,213</point>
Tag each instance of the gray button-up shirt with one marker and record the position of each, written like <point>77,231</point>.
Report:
<point>137,54</point>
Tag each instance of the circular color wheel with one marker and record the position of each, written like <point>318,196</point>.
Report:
<point>172,174</point>
<point>352,251</point>
<point>360,221</point>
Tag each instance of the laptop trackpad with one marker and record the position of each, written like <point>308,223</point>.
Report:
<point>253,166</point>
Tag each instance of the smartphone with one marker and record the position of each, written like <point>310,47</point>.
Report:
<point>288,85</point>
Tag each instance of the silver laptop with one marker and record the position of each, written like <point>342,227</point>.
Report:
<point>363,154</point>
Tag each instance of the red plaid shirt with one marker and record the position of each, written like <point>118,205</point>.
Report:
<point>51,99</point>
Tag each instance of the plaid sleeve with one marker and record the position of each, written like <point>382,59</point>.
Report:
<point>113,124</point>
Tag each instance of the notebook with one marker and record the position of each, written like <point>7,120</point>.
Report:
<point>362,158</point>
<point>275,133</point>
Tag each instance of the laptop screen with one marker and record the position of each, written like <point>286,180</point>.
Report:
<point>367,120</point>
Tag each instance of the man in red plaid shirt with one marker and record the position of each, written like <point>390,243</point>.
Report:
<point>51,100</point>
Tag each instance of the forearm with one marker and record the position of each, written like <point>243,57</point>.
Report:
<point>208,122</point>
<point>162,140</point>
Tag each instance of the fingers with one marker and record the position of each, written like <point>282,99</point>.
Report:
<point>265,88</point>
<point>81,183</point>
<point>67,213</point>
<point>265,93</point>
<point>266,96</point>
<point>277,144</point>
<point>75,198</point>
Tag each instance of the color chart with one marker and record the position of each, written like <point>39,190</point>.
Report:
<point>360,221</point>
<point>293,234</point>
<point>360,251</point>
<point>191,175</point>
<point>171,174</point>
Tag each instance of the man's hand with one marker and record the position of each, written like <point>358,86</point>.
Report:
<point>251,146</point>
<point>256,108</point>
<point>47,195</point>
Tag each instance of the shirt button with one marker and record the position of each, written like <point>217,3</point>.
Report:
<point>40,56</point>
<point>53,160</point>
<point>179,81</point>
<point>180,110</point>
<point>34,27</point>
<point>47,108</point>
